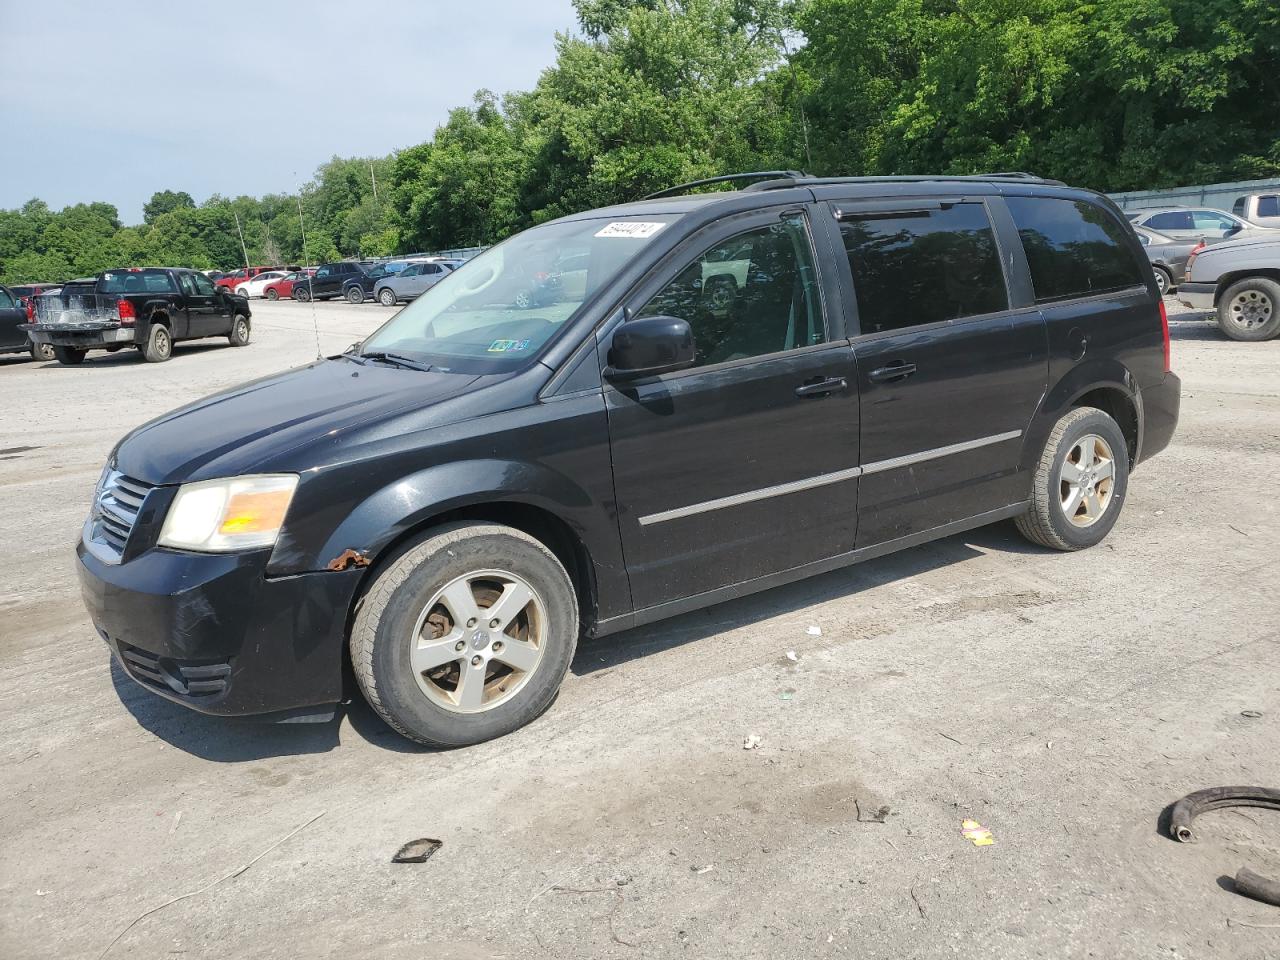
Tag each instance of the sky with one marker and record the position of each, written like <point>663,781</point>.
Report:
<point>113,100</point>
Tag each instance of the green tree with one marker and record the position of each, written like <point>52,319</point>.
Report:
<point>165,201</point>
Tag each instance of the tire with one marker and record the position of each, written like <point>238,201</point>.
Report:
<point>1164,280</point>
<point>387,297</point>
<point>243,292</point>
<point>524,300</point>
<point>406,598</point>
<point>300,293</point>
<point>42,352</point>
<point>159,345</point>
<point>1250,310</point>
<point>272,295</point>
<point>1050,520</point>
<point>355,295</point>
<point>240,330</point>
<point>69,356</point>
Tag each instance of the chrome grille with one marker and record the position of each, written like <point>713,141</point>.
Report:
<point>115,510</point>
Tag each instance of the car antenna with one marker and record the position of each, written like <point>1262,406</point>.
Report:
<point>311,292</point>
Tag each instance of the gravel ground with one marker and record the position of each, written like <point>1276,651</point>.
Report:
<point>1061,700</point>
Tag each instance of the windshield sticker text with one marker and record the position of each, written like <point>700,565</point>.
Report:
<point>630,229</point>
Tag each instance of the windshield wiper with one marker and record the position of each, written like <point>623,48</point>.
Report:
<point>395,359</point>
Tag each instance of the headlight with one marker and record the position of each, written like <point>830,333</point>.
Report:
<point>238,513</point>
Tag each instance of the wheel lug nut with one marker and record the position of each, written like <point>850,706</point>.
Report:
<point>497,646</point>
<point>460,645</point>
<point>471,622</point>
<point>494,623</point>
<point>477,660</point>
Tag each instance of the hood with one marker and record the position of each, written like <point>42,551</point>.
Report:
<point>236,431</point>
<point>1261,238</point>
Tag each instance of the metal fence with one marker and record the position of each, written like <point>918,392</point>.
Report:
<point>1221,196</point>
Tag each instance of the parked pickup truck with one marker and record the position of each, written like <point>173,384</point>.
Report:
<point>149,308</point>
<point>1241,280</point>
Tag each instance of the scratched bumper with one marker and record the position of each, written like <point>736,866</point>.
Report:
<point>213,633</point>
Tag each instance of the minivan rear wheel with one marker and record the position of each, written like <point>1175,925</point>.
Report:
<point>466,635</point>
<point>1080,482</point>
<point>1250,310</point>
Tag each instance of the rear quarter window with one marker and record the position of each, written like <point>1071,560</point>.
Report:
<point>1074,248</point>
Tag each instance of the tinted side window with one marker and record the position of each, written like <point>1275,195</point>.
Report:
<point>6,301</point>
<point>1238,207</point>
<point>1074,248</point>
<point>204,286</point>
<point>1173,220</point>
<point>1269,206</point>
<point>184,281</point>
<point>751,295</point>
<point>925,266</point>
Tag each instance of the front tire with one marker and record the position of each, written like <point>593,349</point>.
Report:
<point>272,294</point>
<point>387,297</point>
<point>243,292</point>
<point>301,293</point>
<point>1250,310</point>
<point>69,356</point>
<point>355,295</point>
<point>466,635</point>
<point>159,345</point>
<point>239,336</point>
<point>1079,484</point>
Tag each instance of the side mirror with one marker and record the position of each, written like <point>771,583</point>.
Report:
<point>1234,229</point>
<point>648,346</point>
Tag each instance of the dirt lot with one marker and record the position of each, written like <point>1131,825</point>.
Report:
<point>1061,700</point>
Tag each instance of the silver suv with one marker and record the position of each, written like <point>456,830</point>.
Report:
<point>1197,223</point>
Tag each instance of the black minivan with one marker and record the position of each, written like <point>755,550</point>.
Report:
<point>747,388</point>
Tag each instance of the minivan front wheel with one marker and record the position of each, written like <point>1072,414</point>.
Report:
<point>466,635</point>
<point>1080,482</point>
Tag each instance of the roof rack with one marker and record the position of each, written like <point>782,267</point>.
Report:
<point>772,176</point>
<point>782,179</point>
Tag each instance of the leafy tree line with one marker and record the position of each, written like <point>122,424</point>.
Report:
<point>1110,94</point>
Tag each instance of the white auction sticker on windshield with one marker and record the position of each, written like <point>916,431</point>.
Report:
<point>630,229</point>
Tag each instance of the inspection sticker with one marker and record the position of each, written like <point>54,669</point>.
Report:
<point>630,229</point>
<point>508,346</point>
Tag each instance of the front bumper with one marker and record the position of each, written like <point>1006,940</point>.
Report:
<point>1160,405</point>
<point>82,336</point>
<point>1198,296</point>
<point>211,632</point>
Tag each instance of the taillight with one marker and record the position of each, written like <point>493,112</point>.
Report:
<point>30,303</point>
<point>126,312</point>
<point>1191,259</point>
<point>1164,326</point>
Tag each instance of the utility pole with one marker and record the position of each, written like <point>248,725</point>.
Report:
<point>243,248</point>
<point>374,180</point>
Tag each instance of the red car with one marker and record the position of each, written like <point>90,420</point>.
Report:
<point>232,280</point>
<point>283,287</point>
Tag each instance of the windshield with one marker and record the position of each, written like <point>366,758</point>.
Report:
<point>499,310</point>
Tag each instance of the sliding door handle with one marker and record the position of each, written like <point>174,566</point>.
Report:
<point>822,388</point>
<point>891,372</point>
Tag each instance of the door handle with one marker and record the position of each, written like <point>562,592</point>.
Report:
<point>891,372</point>
<point>822,388</point>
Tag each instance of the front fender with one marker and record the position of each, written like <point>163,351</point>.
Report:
<point>393,510</point>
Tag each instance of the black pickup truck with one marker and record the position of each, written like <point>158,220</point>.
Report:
<point>145,307</point>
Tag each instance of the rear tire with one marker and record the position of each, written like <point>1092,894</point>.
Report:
<point>159,345</point>
<point>411,612</point>
<point>355,295</point>
<point>69,356</point>
<point>239,336</point>
<point>1250,310</point>
<point>42,352</point>
<point>1079,484</point>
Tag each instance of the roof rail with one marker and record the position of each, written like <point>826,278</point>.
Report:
<point>773,176</point>
<point>933,178</point>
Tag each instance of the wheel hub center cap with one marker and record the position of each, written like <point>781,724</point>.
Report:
<point>479,640</point>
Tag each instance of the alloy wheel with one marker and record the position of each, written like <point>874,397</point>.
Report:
<point>478,641</point>
<point>1086,480</point>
